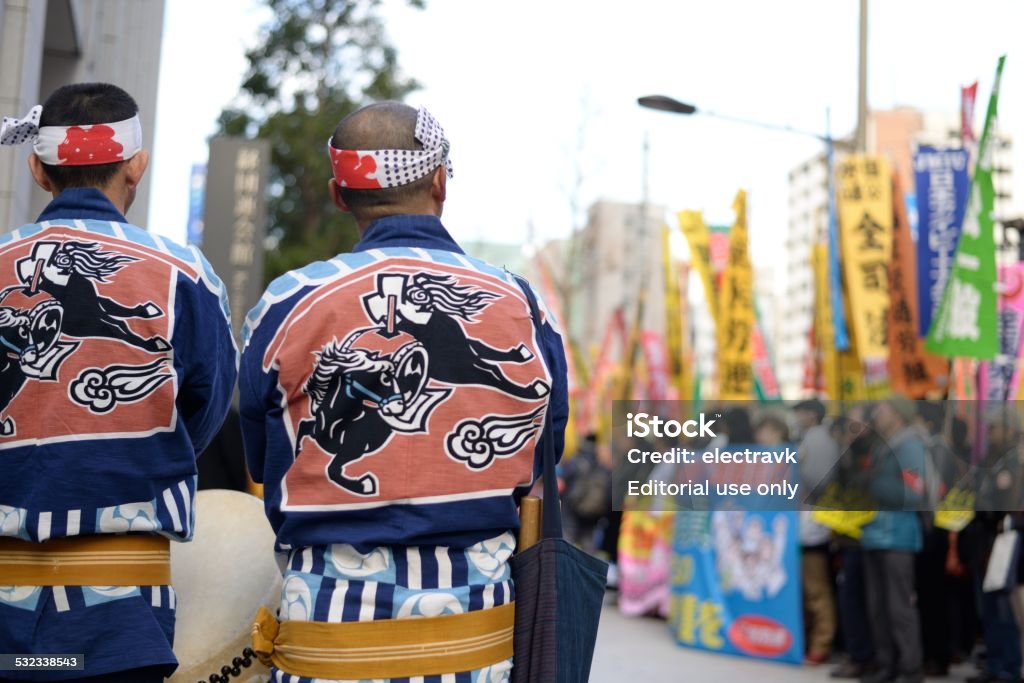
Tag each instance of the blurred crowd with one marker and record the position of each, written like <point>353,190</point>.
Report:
<point>915,568</point>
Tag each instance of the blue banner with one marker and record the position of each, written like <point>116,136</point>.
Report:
<point>196,200</point>
<point>942,183</point>
<point>842,337</point>
<point>736,585</point>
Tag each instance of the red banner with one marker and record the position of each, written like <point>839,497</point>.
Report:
<point>913,372</point>
<point>968,95</point>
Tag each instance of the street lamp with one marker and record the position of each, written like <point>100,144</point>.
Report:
<point>674,106</point>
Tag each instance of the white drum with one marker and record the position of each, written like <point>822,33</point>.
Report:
<point>221,578</point>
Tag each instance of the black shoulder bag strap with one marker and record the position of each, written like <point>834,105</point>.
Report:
<point>552,515</point>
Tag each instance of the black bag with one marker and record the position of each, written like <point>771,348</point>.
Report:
<point>559,588</point>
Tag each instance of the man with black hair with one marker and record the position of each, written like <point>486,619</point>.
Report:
<point>118,368</point>
<point>393,402</point>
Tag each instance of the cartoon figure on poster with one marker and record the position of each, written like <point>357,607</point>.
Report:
<point>748,558</point>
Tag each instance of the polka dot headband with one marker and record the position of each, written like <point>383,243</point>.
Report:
<point>84,145</point>
<point>361,169</point>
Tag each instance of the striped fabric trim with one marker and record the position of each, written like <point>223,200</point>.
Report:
<point>322,272</point>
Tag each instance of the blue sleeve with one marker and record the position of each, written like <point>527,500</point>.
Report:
<point>554,352</point>
<point>206,358</point>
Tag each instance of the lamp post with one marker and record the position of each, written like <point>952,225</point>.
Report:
<point>674,106</point>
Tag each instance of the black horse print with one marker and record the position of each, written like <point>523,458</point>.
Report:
<point>29,349</point>
<point>69,272</point>
<point>429,307</point>
<point>359,398</point>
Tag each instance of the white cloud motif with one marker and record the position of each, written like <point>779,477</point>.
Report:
<point>349,562</point>
<point>12,521</point>
<point>296,600</point>
<point>491,557</point>
<point>433,604</point>
<point>129,517</point>
<point>496,673</point>
<point>13,594</point>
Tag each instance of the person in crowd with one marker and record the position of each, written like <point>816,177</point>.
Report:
<point>937,581</point>
<point>393,402</point>
<point>998,491</point>
<point>818,457</point>
<point>119,366</point>
<point>856,441</point>
<point>588,493</point>
<point>890,540</point>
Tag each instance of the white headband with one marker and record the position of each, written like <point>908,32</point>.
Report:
<point>361,169</point>
<point>85,145</point>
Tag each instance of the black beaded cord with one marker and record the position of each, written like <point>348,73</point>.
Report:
<point>234,670</point>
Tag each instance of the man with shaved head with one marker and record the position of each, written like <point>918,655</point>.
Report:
<point>393,400</point>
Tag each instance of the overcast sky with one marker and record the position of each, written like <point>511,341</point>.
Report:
<point>529,91</point>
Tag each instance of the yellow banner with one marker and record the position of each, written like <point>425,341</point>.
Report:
<point>736,313</point>
<point>698,237</point>
<point>824,338</point>
<point>675,343</point>
<point>851,372</point>
<point>865,231</point>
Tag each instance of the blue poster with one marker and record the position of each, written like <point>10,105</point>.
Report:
<point>942,184</point>
<point>736,585</point>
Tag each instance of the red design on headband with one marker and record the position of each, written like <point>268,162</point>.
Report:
<point>353,171</point>
<point>93,146</point>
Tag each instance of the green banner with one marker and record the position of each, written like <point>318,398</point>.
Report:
<point>966,323</point>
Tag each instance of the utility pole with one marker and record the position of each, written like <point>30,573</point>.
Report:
<point>862,82</point>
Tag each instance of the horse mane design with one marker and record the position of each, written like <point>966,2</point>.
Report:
<point>335,357</point>
<point>439,293</point>
<point>10,317</point>
<point>86,259</point>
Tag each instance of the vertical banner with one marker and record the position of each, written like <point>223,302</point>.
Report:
<point>659,383</point>
<point>736,313</point>
<point>827,354</point>
<point>698,237</point>
<point>941,183</point>
<point>736,585</point>
<point>913,372</point>
<point>764,374</point>
<point>968,96</point>
<point>673,320</point>
<point>835,270</point>
<point>998,379</point>
<point>865,230</point>
<point>602,376</point>
<point>965,324</point>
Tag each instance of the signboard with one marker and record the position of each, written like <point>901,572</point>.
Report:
<point>736,584</point>
<point>235,219</point>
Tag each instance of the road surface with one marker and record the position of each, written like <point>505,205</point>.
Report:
<point>641,650</point>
